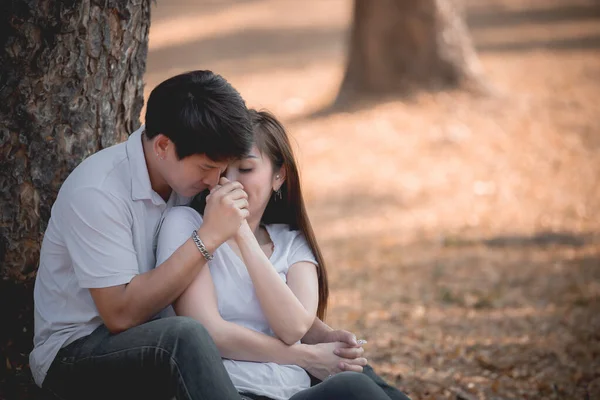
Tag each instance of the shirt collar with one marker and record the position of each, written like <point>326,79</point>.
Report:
<point>141,189</point>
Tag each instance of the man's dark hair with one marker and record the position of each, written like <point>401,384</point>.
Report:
<point>201,113</point>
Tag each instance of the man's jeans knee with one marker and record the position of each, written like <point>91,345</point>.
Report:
<point>161,359</point>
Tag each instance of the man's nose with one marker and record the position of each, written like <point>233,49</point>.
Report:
<point>212,179</point>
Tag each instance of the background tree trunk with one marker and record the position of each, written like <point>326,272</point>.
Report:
<point>70,84</point>
<point>401,45</point>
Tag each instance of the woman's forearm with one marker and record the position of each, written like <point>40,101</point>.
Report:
<point>240,343</point>
<point>317,332</point>
<point>286,315</point>
<point>234,341</point>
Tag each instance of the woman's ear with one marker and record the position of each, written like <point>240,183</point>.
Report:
<point>279,178</point>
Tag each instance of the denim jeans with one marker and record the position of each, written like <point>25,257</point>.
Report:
<point>162,359</point>
<point>345,386</point>
<point>174,358</point>
<point>392,392</point>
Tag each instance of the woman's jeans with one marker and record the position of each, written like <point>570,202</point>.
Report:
<point>345,386</point>
<point>392,392</point>
<point>162,359</point>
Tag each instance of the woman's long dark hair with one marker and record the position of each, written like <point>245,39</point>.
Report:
<point>272,140</point>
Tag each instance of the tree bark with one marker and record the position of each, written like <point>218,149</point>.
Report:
<point>397,46</point>
<point>71,83</point>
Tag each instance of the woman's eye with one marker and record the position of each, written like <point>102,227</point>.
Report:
<point>245,170</point>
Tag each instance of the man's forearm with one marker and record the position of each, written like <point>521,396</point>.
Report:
<point>149,293</point>
<point>316,332</point>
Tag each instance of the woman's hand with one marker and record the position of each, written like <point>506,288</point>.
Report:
<point>244,233</point>
<point>322,333</point>
<point>323,362</point>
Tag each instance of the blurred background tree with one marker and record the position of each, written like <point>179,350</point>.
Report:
<point>70,85</point>
<point>400,45</point>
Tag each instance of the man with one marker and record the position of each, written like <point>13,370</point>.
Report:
<point>97,293</point>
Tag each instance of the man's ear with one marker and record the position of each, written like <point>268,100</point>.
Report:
<point>161,145</point>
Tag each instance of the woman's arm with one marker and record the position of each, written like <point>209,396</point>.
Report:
<point>199,301</point>
<point>289,308</point>
<point>235,342</point>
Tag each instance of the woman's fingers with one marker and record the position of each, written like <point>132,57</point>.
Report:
<point>357,361</point>
<point>241,203</point>
<point>353,365</point>
<point>237,194</point>
<point>349,352</point>
<point>232,191</point>
<point>350,367</point>
<point>222,189</point>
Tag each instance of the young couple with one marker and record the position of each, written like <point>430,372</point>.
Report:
<point>240,267</point>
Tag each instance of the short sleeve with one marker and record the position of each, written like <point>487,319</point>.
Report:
<point>176,228</point>
<point>300,251</point>
<point>98,236</point>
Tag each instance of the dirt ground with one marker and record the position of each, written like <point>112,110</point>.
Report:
<point>461,231</point>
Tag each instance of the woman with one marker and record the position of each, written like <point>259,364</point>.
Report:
<point>270,279</point>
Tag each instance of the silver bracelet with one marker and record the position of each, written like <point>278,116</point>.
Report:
<point>201,246</point>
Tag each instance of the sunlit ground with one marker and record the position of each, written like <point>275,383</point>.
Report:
<point>461,232</point>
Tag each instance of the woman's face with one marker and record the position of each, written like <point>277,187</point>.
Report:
<point>255,172</point>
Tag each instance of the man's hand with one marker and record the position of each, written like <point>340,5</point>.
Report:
<point>323,361</point>
<point>226,209</point>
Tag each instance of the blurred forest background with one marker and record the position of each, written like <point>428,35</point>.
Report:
<point>460,227</point>
<point>456,202</point>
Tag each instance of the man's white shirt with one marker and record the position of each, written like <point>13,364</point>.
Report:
<point>102,232</point>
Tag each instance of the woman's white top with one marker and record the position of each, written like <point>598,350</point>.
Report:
<point>237,300</point>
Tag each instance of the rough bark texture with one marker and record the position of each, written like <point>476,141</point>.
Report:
<point>400,45</point>
<point>70,84</point>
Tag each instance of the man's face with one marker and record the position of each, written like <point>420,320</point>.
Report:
<point>191,175</point>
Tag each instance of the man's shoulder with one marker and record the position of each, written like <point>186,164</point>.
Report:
<point>107,171</point>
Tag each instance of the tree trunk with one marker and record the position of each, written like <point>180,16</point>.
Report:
<point>398,46</point>
<point>70,85</point>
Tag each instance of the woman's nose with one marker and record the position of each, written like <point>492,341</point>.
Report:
<point>230,174</point>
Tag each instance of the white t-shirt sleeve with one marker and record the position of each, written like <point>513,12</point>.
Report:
<point>300,251</point>
<point>177,227</point>
<point>98,236</point>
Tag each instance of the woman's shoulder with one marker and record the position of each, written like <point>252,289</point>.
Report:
<point>183,212</point>
<point>290,245</point>
<point>175,228</point>
<point>282,233</point>
<point>178,214</point>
